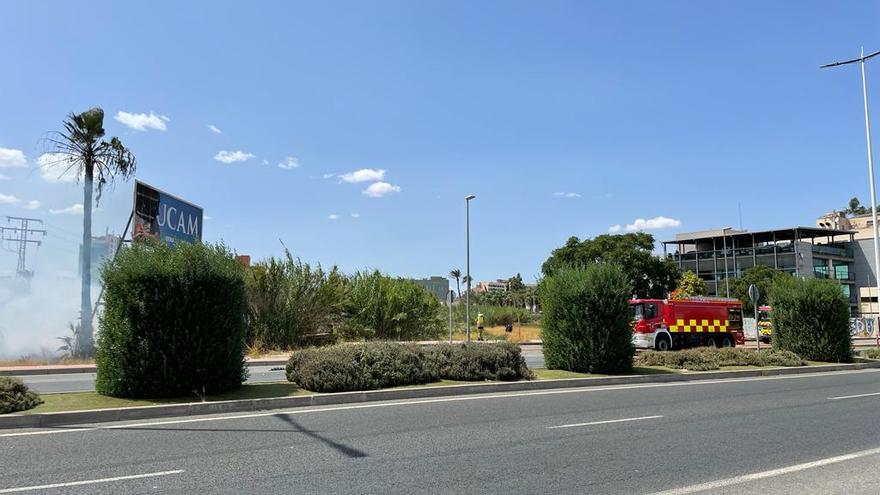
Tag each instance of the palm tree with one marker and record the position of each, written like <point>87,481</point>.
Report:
<point>80,149</point>
<point>456,274</point>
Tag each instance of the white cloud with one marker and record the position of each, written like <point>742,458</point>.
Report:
<point>569,195</point>
<point>10,158</point>
<point>232,156</point>
<point>142,121</point>
<point>363,175</point>
<point>75,209</point>
<point>208,217</point>
<point>333,216</point>
<point>5,177</point>
<point>265,162</point>
<point>656,223</point>
<point>379,189</point>
<point>355,215</point>
<point>328,176</point>
<point>214,129</point>
<point>32,205</point>
<point>289,163</point>
<point>56,167</point>
<point>8,199</point>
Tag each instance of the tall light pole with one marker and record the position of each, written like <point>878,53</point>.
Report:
<point>467,294</point>
<point>861,60</point>
<point>726,275</point>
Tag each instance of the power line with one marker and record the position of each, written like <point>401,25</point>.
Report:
<point>23,236</point>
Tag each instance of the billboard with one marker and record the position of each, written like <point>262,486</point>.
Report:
<point>159,215</point>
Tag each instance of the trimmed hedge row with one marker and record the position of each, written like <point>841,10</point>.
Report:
<point>15,396</point>
<point>174,322</point>
<point>811,319</point>
<point>375,365</point>
<point>709,358</point>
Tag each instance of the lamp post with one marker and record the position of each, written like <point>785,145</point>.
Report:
<point>726,275</point>
<point>467,294</point>
<point>861,60</point>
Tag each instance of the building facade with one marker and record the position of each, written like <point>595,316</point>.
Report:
<point>439,286</point>
<point>812,252</point>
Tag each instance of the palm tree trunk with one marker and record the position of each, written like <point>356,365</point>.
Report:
<point>458,286</point>
<point>86,334</point>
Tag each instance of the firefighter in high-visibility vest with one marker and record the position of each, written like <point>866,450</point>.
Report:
<point>481,320</point>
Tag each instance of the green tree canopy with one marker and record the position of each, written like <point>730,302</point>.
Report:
<point>763,277</point>
<point>690,285</point>
<point>649,275</point>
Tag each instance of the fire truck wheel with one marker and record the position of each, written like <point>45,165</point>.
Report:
<point>726,342</point>
<point>661,343</point>
<point>710,342</point>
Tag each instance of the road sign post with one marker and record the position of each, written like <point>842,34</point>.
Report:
<point>450,297</point>
<point>754,294</point>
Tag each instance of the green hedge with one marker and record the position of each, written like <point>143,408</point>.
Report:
<point>811,319</point>
<point>364,366</point>
<point>374,365</point>
<point>709,358</point>
<point>475,362</point>
<point>15,396</point>
<point>173,323</point>
<point>586,320</point>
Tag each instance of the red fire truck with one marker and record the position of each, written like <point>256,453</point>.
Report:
<point>678,323</point>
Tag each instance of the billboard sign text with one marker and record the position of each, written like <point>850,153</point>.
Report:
<point>159,215</point>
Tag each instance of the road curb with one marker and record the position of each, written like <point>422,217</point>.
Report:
<point>37,420</point>
<point>90,368</point>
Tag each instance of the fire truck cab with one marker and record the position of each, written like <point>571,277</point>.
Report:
<point>679,323</point>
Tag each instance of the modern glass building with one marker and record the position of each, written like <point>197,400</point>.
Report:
<point>715,255</point>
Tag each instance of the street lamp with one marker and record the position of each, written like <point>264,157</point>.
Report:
<point>861,60</point>
<point>467,294</point>
<point>726,275</point>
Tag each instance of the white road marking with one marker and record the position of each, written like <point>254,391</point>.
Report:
<point>712,485</point>
<point>853,396</point>
<point>89,482</point>
<point>408,402</point>
<point>624,420</point>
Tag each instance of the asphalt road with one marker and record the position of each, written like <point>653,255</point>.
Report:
<point>797,434</point>
<point>85,382</point>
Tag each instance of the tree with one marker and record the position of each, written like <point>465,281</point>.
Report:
<point>855,207</point>
<point>81,149</point>
<point>649,275</point>
<point>689,285</point>
<point>761,276</point>
<point>456,274</point>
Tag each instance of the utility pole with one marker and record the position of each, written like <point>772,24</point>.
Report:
<point>861,60</point>
<point>22,236</point>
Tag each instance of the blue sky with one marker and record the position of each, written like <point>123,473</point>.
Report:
<point>564,118</point>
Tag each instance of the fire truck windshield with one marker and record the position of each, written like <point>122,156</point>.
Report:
<point>638,311</point>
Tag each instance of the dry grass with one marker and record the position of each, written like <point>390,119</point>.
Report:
<point>521,333</point>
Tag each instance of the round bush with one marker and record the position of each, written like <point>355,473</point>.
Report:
<point>811,319</point>
<point>479,361</point>
<point>15,396</point>
<point>586,321</point>
<point>173,323</point>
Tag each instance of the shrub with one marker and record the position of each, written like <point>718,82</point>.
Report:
<point>811,319</point>
<point>495,316</point>
<point>872,353</point>
<point>374,365</point>
<point>586,320</point>
<point>475,362</point>
<point>15,396</point>
<point>710,358</point>
<point>173,323</point>
<point>363,366</point>
<point>381,307</point>
<point>289,302</point>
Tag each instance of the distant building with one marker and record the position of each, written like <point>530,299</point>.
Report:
<point>103,248</point>
<point>810,252</point>
<point>862,248</point>
<point>489,286</point>
<point>439,286</point>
